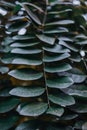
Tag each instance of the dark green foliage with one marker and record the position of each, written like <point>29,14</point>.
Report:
<point>43,71</point>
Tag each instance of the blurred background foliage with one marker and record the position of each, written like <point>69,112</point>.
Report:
<point>43,65</point>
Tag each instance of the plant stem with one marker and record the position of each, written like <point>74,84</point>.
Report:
<point>44,19</point>
<point>84,63</point>
<point>47,93</point>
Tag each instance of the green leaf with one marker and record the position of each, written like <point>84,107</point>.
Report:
<point>20,59</point>
<point>58,57</point>
<point>84,126</point>
<point>68,117</point>
<point>14,18</point>
<point>58,68</point>
<point>77,75</point>
<point>68,45</point>
<point>60,82</point>
<point>32,15</point>
<point>59,12</point>
<point>8,104</point>
<point>25,74</point>
<point>79,108</point>
<point>46,39</point>
<point>25,51</point>
<point>56,49</point>
<point>6,49</point>
<point>19,44</point>
<point>29,125</point>
<point>78,125</point>
<point>58,127</point>
<point>8,122</point>
<point>27,61</point>
<point>65,39</point>
<point>61,22</point>
<point>27,91</point>
<point>78,90</point>
<point>8,58</point>
<point>75,58</point>
<point>3,69</point>
<point>56,111</point>
<point>82,42</point>
<point>62,99</point>
<point>7,40</point>
<point>4,92</point>
<point>16,26</point>
<point>34,109</point>
<point>59,30</point>
<point>7,4</point>
<point>32,5</point>
<point>23,37</point>
<point>81,36</point>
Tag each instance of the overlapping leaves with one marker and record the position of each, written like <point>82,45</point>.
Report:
<point>45,62</point>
